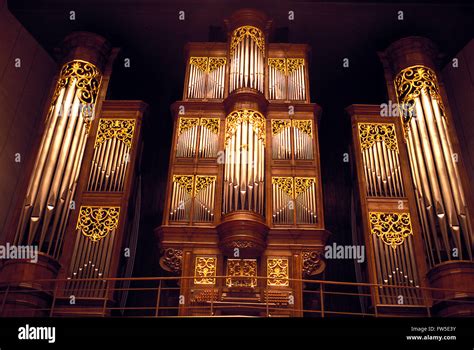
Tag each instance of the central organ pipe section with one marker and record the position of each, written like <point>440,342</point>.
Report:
<point>247,55</point>
<point>244,161</point>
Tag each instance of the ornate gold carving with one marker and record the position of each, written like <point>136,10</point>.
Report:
<point>216,62</point>
<point>285,184</point>
<point>97,222</point>
<point>277,272</point>
<point>87,78</point>
<point>202,181</point>
<point>121,129</point>
<point>84,75</point>
<point>185,181</point>
<point>212,124</point>
<point>293,64</point>
<point>409,83</point>
<point>391,228</point>
<point>172,260</point>
<point>278,63</point>
<point>205,270</point>
<point>187,123</point>
<point>305,126</point>
<point>369,133</point>
<point>279,124</point>
<point>237,117</point>
<point>302,184</point>
<point>240,33</point>
<point>313,263</point>
<point>200,62</point>
<point>207,64</point>
<point>241,271</point>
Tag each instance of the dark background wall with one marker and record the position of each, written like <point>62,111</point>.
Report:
<point>152,37</point>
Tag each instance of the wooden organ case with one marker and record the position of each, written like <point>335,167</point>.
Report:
<point>243,222</point>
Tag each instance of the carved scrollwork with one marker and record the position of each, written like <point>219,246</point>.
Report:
<point>391,228</point>
<point>121,129</point>
<point>313,263</point>
<point>253,32</point>
<point>256,119</point>
<point>97,222</point>
<point>172,260</point>
<point>369,133</point>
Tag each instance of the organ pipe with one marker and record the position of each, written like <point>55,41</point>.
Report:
<point>277,78</point>
<point>187,137</point>
<point>209,137</point>
<point>440,196</point>
<point>296,79</point>
<point>305,200</point>
<point>245,158</point>
<point>204,198</point>
<point>53,182</point>
<point>283,201</point>
<point>206,77</point>
<point>111,154</point>
<point>181,197</point>
<point>281,139</point>
<point>303,139</point>
<point>247,52</point>
<point>380,157</point>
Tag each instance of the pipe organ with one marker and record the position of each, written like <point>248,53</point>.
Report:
<point>244,196</point>
<point>388,222</point>
<point>442,191</point>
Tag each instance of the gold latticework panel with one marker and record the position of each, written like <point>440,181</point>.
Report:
<point>97,222</point>
<point>202,181</point>
<point>293,64</point>
<point>185,181</point>
<point>279,124</point>
<point>285,184</point>
<point>240,33</point>
<point>243,273</point>
<point>278,63</point>
<point>256,119</point>
<point>277,272</point>
<point>369,133</point>
<point>205,270</point>
<point>187,123</point>
<point>121,129</point>
<point>302,184</point>
<point>212,124</point>
<point>391,228</point>
<point>305,126</point>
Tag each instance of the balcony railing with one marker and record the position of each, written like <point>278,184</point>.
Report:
<point>160,297</point>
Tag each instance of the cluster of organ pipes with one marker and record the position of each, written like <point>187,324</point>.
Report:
<point>247,54</point>
<point>111,155</point>
<point>440,197</point>
<point>181,197</point>
<point>244,170</point>
<point>205,191</point>
<point>90,260</point>
<point>53,182</point>
<point>281,139</point>
<point>296,79</point>
<point>305,199</point>
<point>303,139</point>
<point>397,267</point>
<point>187,137</point>
<point>380,159</point>
<point>209,137</point>
<point>294,194</point>
<point>190,130</point>
<point>277,78</point>
<point>206,77</point>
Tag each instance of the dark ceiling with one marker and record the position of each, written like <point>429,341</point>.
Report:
<point>150,34</point>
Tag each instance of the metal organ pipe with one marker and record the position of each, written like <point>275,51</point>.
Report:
<point>244,168</point>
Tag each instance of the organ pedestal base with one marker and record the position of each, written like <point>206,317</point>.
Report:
<point>455,275</point>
